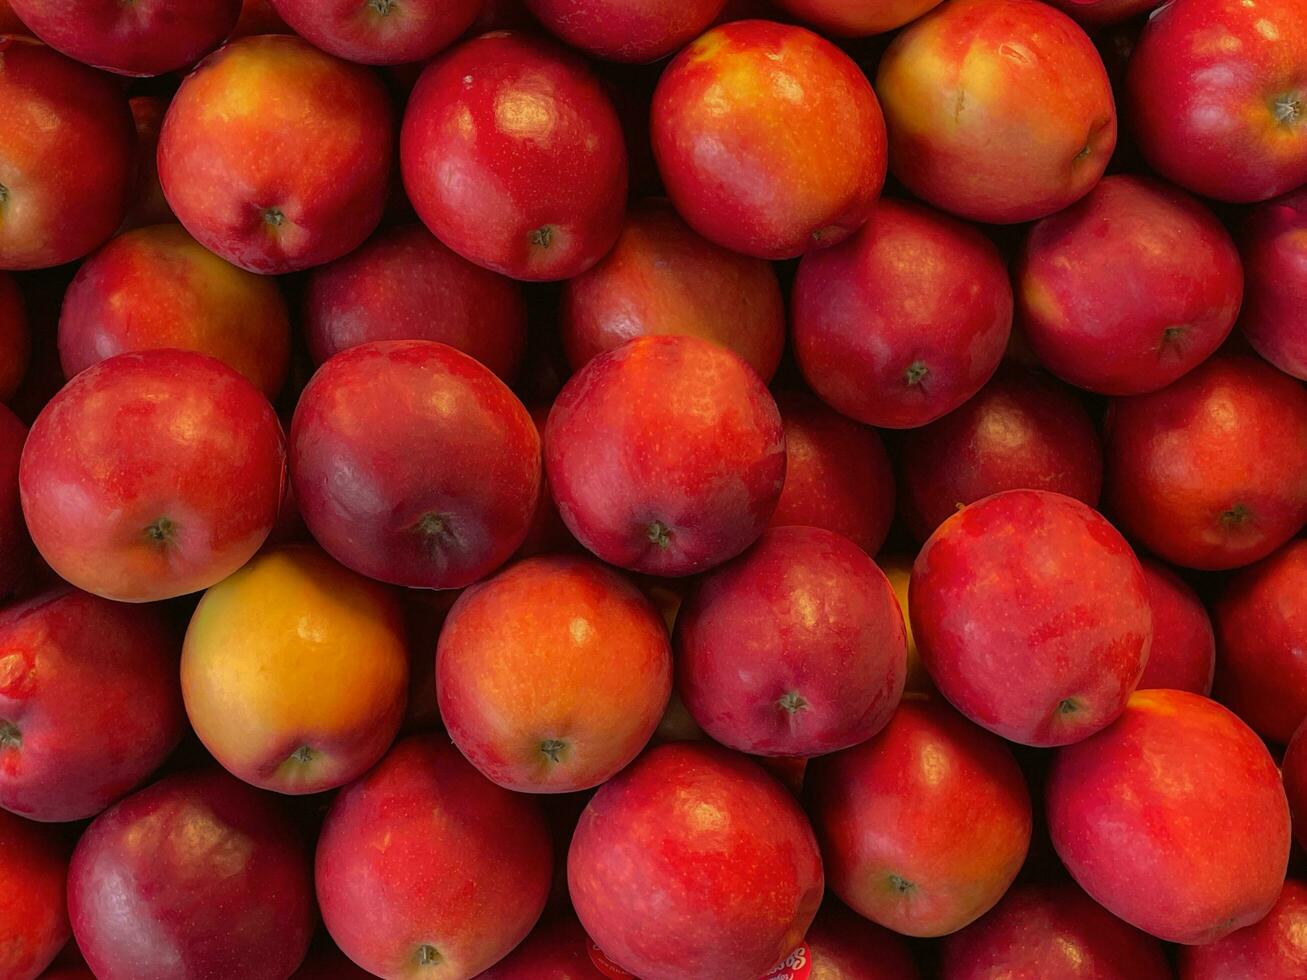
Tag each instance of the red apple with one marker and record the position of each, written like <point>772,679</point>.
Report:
<point>1022,431</point>
<point>1295,782</point>
<point>662,278</point>
<point>146,203</point>
<point>1274,317</point>
<point>1043,931</point>
<point>157,287</point>
<point>694,864</point>
<point>998,110</point>
<point>15,545</point>
<point>152,475</point>
<point>33,866</point>
<point>856,18</point>
<point>413,464</point>
<point>558,949</point>
<point>845,946</point>
<point>513,156</point>
<point>424,863</point>
<point>906,320</point>
<point>197,875</point>
<point>1031,613</point>
<point>925,825</point>
<point>1103,13</point>
<point>68,156</point>
<point>1219,98</point>
<point>1183,654</point>
<point>627,30</point>
<point>1211,472</point>
<point>15,341</point>
<point>769,139</point>
<point>796,648</point>
<point>1134,818</point>
<point>1275,947</point>
<point>379,32</point>
<point>666,455</point>
<point>277,177</point>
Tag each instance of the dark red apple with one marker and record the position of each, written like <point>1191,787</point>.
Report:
<point>856,18</point>
<point>1104,13</point>
<point>404,284</point>
<point>1211,471</point>
<point>152,475</point>
<point>15,341</point>
<point>513,156</point>
<point>15,545</point>
<point>1129,288</point>
<point>426,867</point>
<point>1295,782</point>
<point>769,139</point>
<point>1183,654</point>
<point>1273,948</point>
<point>413,464</point>
<point>33,866</point>
<point>694,864</point>
<point>9,22</point>
<point>626,30</point>
<point>379,32</point>
<point>68,156</point>
<point>924,826</point>
<point>845,946</point>
<point>256,184</point>
<point>558,949</point>
<point>906,320</point>
<point>666,455</point>
<point>1274,317</point>
<point>1022,431</point>
<point>146,203</point>
<point>1134,817</point>
<point>198,875</point>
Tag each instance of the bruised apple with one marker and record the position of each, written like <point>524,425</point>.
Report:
<point>1183,652</point>
<point>1274,316</point>
<point>34,867</point>
<point>379,32</point>
<point>626,30</point>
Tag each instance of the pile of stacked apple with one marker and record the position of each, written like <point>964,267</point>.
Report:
<point>505,490</point>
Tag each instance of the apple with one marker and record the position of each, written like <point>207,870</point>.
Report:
<point>1183,654</point>
<point>796,648</point>
<point>856,18</point>
<point>197,875</point>
<point>1040,931</point>
<point>152,475</point>
<point>898,569</point>
<point>925,825</point>
<point>1031,613</point>
<point>1105,13</point>
<point>316,658</point>
<point>259,17</point>
<point>513,156</point>
<point>1134,818</point>
<point>33,865</point>
<point>277,178</point>
<point>694,864</point>
<point>905,321</point>
<point>1274,947</point>
<point>1274,317</point>
<point>1022,431</point>
<point>68,156</point>
<point>146,203</point>
<point>15,545</point>
<point>424,863</point>
<point>379,32</point>
<point>666,455</point>
<point>998,110</point>
<point>558,949</point>
<point>845,946</point>
<point>15,340</point>
<point>626,30</point>
<point>1211,471</point>
<point>1218,97</point>
<point>1295,782</point>
<point>413,464</point>
<point>769,139</point>
<point>403,284</point>
<point>662,278</point>
<point>157,287</point>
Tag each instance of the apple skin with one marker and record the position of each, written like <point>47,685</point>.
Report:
<point>250,181</point>
<point>845,946</point>
<point>769,139</point>
<point>403,284</point>
<point>1031,613</point>
<point>1183,654</point>
<point>1225,120</point>
<point>424,859</point>
<point>88,691</point>
<point>15,339</point>
<point>837,474</point>
<point>796,648</point>
<point>1295,782</point>
<point>157,287</point>
<point>195,876</point>
<point>34,866</point>
<point>903,322</point>
<point>1133,818</point>
<point>666,455</point>
<point>15,545</point>
<point>533,193</point>
<point>432,499</point>
<point>1048,930</point>
<point>626,30</point>
<point>662,278</point>
<point>382,32</point>
<point>553,675</point>
<point>146,203</point>
<point>1128,289</point>
<point>68,156</point>
<point>1274,317</point>
<point>1104,13</point>
<point>694,864</point>
<point>1211,471</point>
<point>1022,431</point>
<point>558,949</point>
<point>925,825</point>
<point>193,489</point>
<point>989,135</point>
<point>1274,947</point>
<point>856,18</point>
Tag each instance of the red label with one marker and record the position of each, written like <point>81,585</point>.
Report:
<point>606,966</point>
<point>796,966</point>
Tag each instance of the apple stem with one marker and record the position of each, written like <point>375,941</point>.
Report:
<point>916,373</point>
<point>10,736</point>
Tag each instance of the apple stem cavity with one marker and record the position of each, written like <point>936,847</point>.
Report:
<point>916,373</point>
<point>273,217</point>
<point>660,534</point>
<point>382,7</point>
<point>1287,109</point>
<point>303,754</point>
<point>1236,515</point>
<point>542,237</point>
<point>553,748</point>
<point>1171,337</point>
<point>428,955</point>
<point>901,885</point>
<point>10,736</point>
<point>1068,706</point>
<point>162,531</point>
<point>4,194</point>
<point>435,529</point>
<point>792,702</point>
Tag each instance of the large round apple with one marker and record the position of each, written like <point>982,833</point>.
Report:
<point>34,868</point>
<point>379,32</point>
<point>626,30</point>
<point>1274,315</point>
